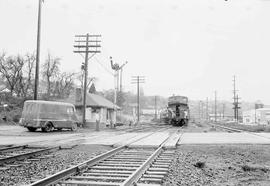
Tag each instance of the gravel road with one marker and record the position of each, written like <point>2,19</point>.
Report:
<point>53,163</point>
<point>220,165</point>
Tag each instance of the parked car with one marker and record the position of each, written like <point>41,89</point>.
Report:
<point>48,115</point>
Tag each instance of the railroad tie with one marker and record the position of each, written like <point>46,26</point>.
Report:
<point>158,170</point>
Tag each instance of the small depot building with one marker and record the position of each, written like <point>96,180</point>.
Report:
<point>259,116</point>
<point>94,104</point>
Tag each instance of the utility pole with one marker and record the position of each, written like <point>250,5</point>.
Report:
<point>207,112</point>
<point>223,110</point>
<point>137,80</point>
<point>255,114</point>
<point>38,50</point>
<point>121,87</point>
<point>237,108</point>
<point>155,107</point>
<point>202,109</point>
<point>121,71</point>
<point>199,111</point>
<point>215,106</point>
<point>234,99</point>
<point>86,44</point>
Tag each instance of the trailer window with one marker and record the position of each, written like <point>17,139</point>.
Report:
<point>70,110</point>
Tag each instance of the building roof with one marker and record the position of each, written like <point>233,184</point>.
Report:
<point>257,110</point>
<point>263,109</point>
<point>49,102</point>
<point>92,100</point>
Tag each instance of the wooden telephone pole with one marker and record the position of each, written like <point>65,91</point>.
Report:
<point>207,112</point>
<point>137,80</point>
<point>155,107</point>
<point>38,50</point>
<point>86,44</point>
<point>236,104</point>
<point>215,106</point>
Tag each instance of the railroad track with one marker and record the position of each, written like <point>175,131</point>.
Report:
<point>228,128</point>
<point>18,153</point>
<point>121,166</point>
<point>143,128</point>
<point>239,130</point>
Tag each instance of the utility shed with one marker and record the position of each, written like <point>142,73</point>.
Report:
<point>257,116</point>
<point>94,104</point>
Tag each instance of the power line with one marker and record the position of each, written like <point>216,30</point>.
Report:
<point>86,44</point>
<point>207,112</point>
<point>103,66</point>
<point>138,80</point>
<point>236,103</point>
<point>215,106</point>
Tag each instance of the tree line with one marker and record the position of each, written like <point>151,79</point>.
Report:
<point>17,74</point>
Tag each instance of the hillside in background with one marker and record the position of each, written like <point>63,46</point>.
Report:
<point>129,102</point>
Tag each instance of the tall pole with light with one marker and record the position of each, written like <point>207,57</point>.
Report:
<point>116,68</point>
<point>121,88</point>
<point>121,71</point>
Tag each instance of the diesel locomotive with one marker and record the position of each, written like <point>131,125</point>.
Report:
<point>177,111</point>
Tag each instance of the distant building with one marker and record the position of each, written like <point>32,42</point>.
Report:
<point>212,117</point>
<point>220,117</point>
<point>257,116</point>
<point>94,103</point>
<point>148,111</point>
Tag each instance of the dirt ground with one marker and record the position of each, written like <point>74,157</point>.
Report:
<point>27,173</point>
<point>220,165</point>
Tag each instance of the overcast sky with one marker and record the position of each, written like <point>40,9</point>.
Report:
<point>182,47</point>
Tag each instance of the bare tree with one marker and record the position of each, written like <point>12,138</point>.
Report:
<point>27,79</point>
<point>50,71</point>
<point>90,80</point>
<point>11,70</point>
<point>64,84</point>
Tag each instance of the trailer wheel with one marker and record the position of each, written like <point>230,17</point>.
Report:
<point>183,122</point>
<point>31,129</point>
<point>74,127</point>
<point>48,127</point>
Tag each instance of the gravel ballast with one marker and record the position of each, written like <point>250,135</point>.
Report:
<point>220,165</point>
<point>34,170</point>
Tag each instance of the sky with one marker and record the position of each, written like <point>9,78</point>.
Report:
<point>182,47</point>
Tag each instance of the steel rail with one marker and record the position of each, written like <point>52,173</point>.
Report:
<point>239,130</point>
<point>7,149</point>
<point>229,128</point>
<point>140,171</point>
<point>26,155</point>
<point>75,169</point>
<point>64,174</point>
